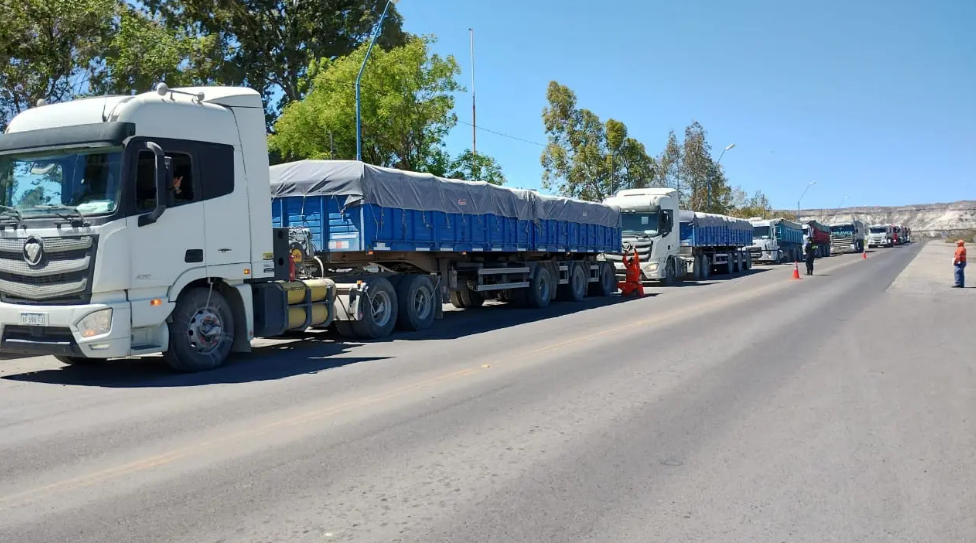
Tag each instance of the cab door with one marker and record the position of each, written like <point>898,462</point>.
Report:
<point>226,220</point>
<point>163,251</point>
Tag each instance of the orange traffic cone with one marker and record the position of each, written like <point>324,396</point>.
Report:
<point>796,270</point>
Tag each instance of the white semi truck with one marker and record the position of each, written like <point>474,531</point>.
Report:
<point>847,237</point>
<point>134,225</point>
<point>881,235</point>
<point>673,244</point>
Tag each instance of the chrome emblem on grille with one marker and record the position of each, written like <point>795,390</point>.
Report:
<point>33,251</point>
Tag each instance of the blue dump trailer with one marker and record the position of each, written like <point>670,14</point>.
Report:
<point>714,243</point>
<point>412,241</point>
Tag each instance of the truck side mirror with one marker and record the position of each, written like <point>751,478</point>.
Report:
<point>163,177</point>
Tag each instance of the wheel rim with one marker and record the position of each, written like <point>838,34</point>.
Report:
<point>543,286</point>
<point>579,281</point>
<point>205,331</point>
<point>380,308</point>
<point>421,303</point>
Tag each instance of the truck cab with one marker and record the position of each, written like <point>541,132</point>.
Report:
<point>648,218</point>
<point>132,225</point>
<point>775,240</point>
<point>880,235</point>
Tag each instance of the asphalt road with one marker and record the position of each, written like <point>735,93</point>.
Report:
<point>752,409</point>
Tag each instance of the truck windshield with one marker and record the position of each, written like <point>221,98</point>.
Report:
<point>644,223</point>
<point>760,232</point>
<point>37,184</point>
<point>878,230</point>
<point>843,229</point>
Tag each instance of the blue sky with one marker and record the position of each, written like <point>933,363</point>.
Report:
<point>875,99</point>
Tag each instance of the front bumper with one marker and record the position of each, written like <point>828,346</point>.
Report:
<point>53,330</point>
<point>650,271</point>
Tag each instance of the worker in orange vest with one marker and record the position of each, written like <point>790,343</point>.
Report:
<point>632,280</point>
<point>959,261</point>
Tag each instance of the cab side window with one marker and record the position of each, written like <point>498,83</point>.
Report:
<point>667,222</point>
<point>182,190</point>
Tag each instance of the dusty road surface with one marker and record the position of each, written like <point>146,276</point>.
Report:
<point>754,409</point>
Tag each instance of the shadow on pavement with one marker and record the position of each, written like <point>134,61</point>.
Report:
<point>498,316</point>
<point>317,352</point>
<point>714,279</point>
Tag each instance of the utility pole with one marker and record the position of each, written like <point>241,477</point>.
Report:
<point>474,118</point>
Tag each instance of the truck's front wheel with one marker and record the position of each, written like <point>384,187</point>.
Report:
<point>202,331</point>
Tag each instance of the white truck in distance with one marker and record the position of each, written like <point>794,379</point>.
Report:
<point>881,235</point>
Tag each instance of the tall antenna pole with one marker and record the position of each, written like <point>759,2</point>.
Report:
<point>474,118</point>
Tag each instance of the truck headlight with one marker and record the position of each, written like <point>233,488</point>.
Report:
<point>652,267</point>
<point>97,323</point>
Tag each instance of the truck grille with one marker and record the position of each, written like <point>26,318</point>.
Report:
<point>62,274</point>
<point>643,250</point>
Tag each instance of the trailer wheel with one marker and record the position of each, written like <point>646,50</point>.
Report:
<point>415,298</point>
<point>202,331</point>
<point>379,313</point>
<point>729,264</point>
<point>606,283</point>
<point>697,273</point>
<point>575,290</point>
<point>467,298</point>
<point>748,261</point>
<point>539,293</point>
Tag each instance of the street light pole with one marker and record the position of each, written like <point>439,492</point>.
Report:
<point>359,118</point>
<point>708,188</point>
<point>812,183</point>
<point>474,117</point>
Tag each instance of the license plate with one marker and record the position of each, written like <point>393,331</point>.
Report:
<point>33,319</point>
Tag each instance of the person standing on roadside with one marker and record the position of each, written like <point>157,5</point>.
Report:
<point>810,255</point>
<point>959,261</point>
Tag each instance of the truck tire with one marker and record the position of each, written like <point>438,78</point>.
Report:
<point>606,283</point>
<point>415,298</point>
<point>706,268</point>
<point>539,293</point>
<point>202,331</point>
<point>575,290</point>
<point>467,299</point>
<point>79,360</point>
<point>747,258</point>
<point>668,273</point>
<point>345,329</point>
<point>697,274</point>
<point>379,315</point>
<point>730,264</point>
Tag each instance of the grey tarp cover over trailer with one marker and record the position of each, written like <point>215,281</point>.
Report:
<point>391,188</point>
<point>711,219</point>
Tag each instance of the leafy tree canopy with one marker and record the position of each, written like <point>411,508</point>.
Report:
<point>584,157</point>
<point>407,109</point>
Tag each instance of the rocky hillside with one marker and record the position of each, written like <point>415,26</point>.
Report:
<point>926,219</point>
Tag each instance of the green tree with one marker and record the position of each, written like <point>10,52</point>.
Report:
<point>584,157</point>
<point>699,172</point>
<point>143,52</point>
<point>669,166</point>
<point>50,49</point>
<point>745,206</point>
<point>473,166</point>
<point>269,44</point>
<point>407,105</point>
